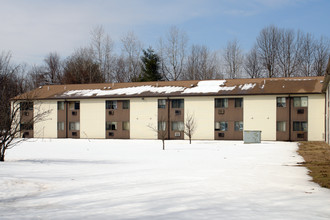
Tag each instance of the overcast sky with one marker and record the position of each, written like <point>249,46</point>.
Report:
<point>30,29</point>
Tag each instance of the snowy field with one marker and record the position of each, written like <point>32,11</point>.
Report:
<point>135,179</point>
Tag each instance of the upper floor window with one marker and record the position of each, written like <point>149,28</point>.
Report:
<point>60,105</point>
<point>221,103</point>
<point>26,106</point>
<point>74,105</point>
<point>300,101</point>
<point>126,104</point>
<point>111,104</point>
<point>161,103</point>
<point>177,103</point>
<point>238,102</point>
<point>281,102</point>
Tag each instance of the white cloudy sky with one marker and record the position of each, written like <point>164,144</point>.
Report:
<point>30,29</point>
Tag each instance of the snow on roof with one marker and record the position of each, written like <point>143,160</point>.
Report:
<point>124,91</point>
<point>209,86</point>
<point>247,86</point>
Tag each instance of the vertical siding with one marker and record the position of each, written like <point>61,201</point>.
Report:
<point>92,118</point>
<point>316,115</point>
<point>260,114</point>
<point>46,128</point>
<point>202,109</point>
<point>143,112</point>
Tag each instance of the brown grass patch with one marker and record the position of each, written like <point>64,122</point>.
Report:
<point>317,160</point>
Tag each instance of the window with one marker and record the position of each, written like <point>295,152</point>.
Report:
<point>161,126</point>
<point>26,106</point>
<point>221,103</point>
<point>26,126</point>
<point>238,102</point>
<point>177,126</point>
<point>300,101</point>
<point>125,125</point>
<point>281,102</point>
<point>221,126</point>
<point>126,104</point>
<point>74,105</point>
<point>111,104</point>
<point>161,103</point>
<point>60,126</point>
<point>74,126</point>
<point>111,126</point>
<point>74,113</point>
<point>60,105</point>
<point>281,126</point>
<point>177,103</point>
<point>238,126</point>
<point>299,126</point>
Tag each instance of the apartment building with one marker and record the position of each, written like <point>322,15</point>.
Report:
<point>283,109</point>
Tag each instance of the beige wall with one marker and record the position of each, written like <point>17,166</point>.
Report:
<point>202,109</point>
<point>143,112</point>
<point>316,117</point>
<point>92,118</point>
<point>260,114</point>
<point>47,127</point>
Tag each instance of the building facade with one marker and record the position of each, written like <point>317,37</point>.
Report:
<point>283,109</point>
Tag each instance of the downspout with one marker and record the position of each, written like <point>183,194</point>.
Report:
<point>168,118</point>
<point>289,117</point>
<point>66,119</point>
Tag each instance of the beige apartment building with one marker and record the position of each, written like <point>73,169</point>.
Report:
<point>283,109</point>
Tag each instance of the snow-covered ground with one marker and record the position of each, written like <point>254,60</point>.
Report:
<point>135,179</point>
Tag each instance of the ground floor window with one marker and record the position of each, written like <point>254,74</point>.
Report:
<point>112,126</point>
<point>177,126</point>
<point>281,126</point>
<point>60,126</point>
<point>221,126</point>
<point>161,126</point>
<point>26,126</point>
<point>238,126</point>
<point>125,125</point>
<point>300,126</point>
<point>74,126</point>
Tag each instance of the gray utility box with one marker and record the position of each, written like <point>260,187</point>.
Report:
<point>250,137</point>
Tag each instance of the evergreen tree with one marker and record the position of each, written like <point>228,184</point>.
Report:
<point>150,65</point>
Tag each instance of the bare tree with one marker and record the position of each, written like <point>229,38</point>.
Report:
<point>233,59</point>
<point>82,68</point>
<point>289,52</point>
<point>321,56</point>
<point>202,64</point>
<point>131,49</point>
<point>267,43</point>
<point>37,76</point>
<point>190,126</point>
<point>307,55</point>
<point>53,69</point>
<point>172,52</point>
<point>121,70</point>
<point>14,122</point>
<point>161,130</point>
<point>102,50</point>
<point>252,64</point>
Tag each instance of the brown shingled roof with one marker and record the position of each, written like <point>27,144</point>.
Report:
<point>259,86</point>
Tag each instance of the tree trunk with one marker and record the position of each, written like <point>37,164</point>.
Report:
<point>2,157</point>
<point>163,144</point>
<point>189,140</point>
<point>2,153</point>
